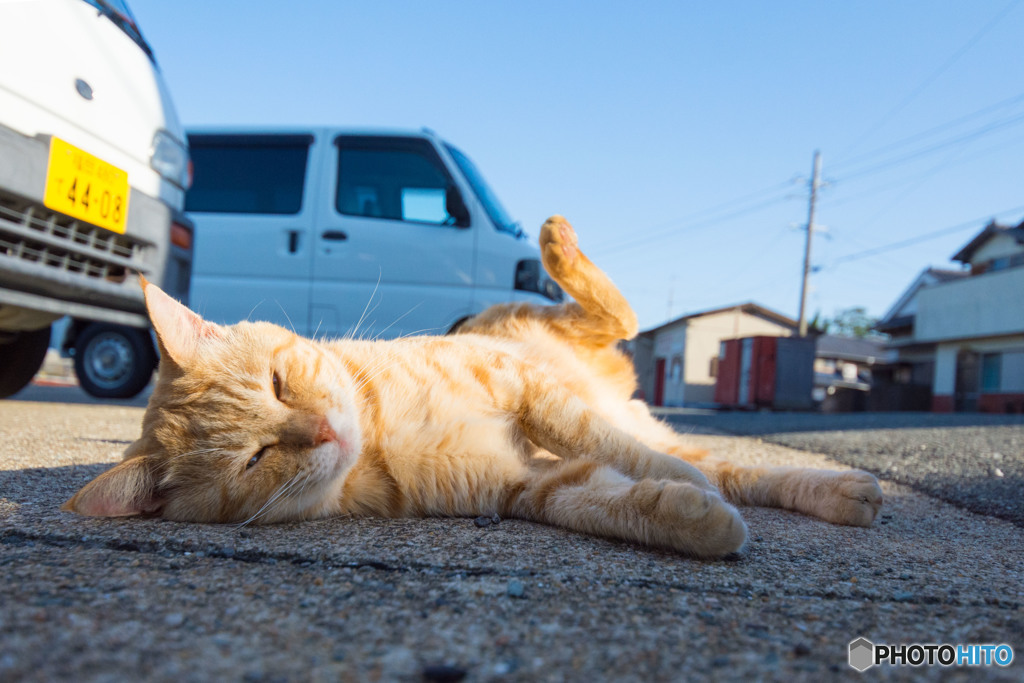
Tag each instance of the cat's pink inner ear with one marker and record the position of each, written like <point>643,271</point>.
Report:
<point>124,490</point>
<point>180,331</point>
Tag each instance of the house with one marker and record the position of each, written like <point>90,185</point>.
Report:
<point>957,336</point>
<point>843,371</point>
<point>677,362</point>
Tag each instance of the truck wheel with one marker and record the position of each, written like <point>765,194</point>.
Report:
<point>20,359</point>
<point>113,361</point>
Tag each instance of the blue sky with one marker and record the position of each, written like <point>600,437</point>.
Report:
<point>676,136</point>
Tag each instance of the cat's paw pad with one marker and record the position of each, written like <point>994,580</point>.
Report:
<point>855,499</point>
<point>559,244</point>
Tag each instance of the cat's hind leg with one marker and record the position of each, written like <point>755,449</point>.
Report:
<point>586,496</point>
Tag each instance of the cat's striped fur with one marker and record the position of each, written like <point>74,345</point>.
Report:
<point>525,412</point>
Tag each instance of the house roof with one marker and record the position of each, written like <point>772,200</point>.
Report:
<point>991,230</point>
<point>893,324</point>
<point>928,276</point>
<point>849,348</point>
<point>750,308</point>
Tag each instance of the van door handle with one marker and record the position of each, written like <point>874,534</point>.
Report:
<point>293,241</point>
<point>334,235</point>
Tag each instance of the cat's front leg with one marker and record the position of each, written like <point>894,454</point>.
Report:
<point>585,496</point>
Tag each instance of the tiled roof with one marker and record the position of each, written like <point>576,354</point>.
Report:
<point>992,229</point>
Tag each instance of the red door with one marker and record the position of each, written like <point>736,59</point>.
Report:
<point>727,382</point>
<point>659,381</point>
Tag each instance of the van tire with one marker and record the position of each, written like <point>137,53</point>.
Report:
<point>20,359</point>
<point>114,361</point>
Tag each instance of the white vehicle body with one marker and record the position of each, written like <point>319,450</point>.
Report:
<point>334,232</point>
<point>78,77</point>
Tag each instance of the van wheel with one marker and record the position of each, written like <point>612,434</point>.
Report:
<point>21,356</point>
<point>113,361</point>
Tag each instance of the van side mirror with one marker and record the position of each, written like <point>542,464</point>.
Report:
<point>456,207</point>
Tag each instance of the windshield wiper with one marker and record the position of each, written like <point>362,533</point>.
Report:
<point>125,24</point>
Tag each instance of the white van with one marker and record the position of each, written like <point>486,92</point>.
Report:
<point>335,232</point>
<point>93,167</point>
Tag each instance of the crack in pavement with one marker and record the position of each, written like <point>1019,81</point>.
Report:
<point>170,548</point>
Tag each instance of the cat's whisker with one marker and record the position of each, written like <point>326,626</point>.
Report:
<point>268,506</point>
<point>371,373</point>
<point>366,372</point>
<point>378,335</point>
<point>286,316</point>
<point>425,329</point>
<point>253,310</point>
<point>355,330</point>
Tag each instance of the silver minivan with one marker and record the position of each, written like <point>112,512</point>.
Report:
<point>334,232</point>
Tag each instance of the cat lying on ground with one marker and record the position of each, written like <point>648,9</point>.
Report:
<point>526,412</point>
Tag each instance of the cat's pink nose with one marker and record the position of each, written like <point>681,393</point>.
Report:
<point>325,433</point>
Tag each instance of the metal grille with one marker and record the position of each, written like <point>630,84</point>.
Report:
<point>34,234</point>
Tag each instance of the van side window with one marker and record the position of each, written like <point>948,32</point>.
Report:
<point>260,174</point>
<point>393,178</point>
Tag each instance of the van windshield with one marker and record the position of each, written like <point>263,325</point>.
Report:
<point>117,11</point>
<point>502,221</point>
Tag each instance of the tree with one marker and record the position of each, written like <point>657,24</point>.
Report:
<point>851,322</point>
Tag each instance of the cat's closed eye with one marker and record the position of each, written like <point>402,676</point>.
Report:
<point>276,383</point>
<point>256,458</point>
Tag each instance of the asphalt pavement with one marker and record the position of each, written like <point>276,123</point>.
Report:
<point>445,599</point>
<point>975,461</point>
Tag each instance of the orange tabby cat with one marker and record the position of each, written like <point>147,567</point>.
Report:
<point>525,412</point>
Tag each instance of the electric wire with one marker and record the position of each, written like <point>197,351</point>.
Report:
<point>931,78</point>
<point>924,237</point>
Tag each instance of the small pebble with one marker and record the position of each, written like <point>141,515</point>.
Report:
<point>801,650</point>
<point>443,673</point>
<point>482,521</point>
<point>515,589</point>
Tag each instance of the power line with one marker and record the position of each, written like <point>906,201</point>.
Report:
<point>931,131</point>
<point>915,154</point>
<point>934,75</point>
<point>676,227</point>
<point>942,232</point>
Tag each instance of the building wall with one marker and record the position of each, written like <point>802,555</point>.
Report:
<point>642,350</point>
<point>670,344</point>
<point>997,247</point>
<point>688,348</point>
<point>703,340</point>
<point>1008,395</point>
<point>981,306</point>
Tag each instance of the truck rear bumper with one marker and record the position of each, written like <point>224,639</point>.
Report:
<point>57,265</point>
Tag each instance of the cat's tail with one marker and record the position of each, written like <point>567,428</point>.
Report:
<point>606,315</point>
<point>598,317</point>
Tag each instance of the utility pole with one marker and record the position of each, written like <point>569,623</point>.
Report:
<point>815,184</point>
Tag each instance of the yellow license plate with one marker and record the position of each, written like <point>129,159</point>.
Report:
<point>86,187</point>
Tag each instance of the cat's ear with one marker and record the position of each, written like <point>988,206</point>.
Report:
<point>179,331</point>
<point>126,489</point>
